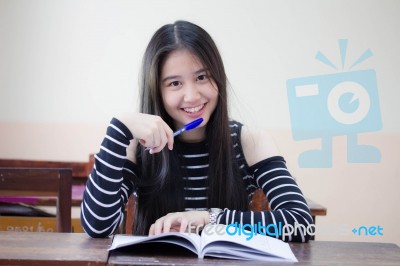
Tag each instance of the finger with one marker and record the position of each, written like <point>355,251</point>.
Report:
<point>163,138</point>
<point>170,138</point>
<point>162,141</point>
<point>151,230</point>
<point>154,150</point>
<point>166,226</point>
<point>146,143</point>
<point>155,147</point>
<point>184,224</point>
<point>143,142</point>
<point>156,138</point>
<point>158,225</point>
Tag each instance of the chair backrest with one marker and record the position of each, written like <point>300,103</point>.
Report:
<point>51,182</point>
<point>80,170</point>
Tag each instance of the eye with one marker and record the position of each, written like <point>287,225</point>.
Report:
<point>202,77</point>
<point>174,83</point>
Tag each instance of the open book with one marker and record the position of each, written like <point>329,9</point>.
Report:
<point>216,242</point>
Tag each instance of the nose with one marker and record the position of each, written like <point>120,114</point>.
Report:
<point>192,93</point>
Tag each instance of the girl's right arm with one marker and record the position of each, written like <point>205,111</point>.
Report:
<point>111,180</point>
<point>109,184</point>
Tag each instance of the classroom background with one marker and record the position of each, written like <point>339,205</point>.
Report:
<point>315,73</point>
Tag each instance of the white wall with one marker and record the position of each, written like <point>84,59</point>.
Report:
<point>67,66</point>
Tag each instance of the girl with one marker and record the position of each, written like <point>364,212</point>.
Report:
<point>206,175</point>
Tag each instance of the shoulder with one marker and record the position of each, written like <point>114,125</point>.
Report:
<point>257,145</point>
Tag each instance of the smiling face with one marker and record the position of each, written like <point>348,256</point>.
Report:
<point>188,92</point>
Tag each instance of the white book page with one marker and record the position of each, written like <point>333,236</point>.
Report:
<point>216,239</point>
<point>189,241</point>
<point>228,253</point>
<point>125,240</point>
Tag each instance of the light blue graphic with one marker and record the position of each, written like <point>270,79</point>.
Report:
<point>339,104</point>
<point>368,230</point>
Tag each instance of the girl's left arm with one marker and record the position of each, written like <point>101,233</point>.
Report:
<point>290,217</point>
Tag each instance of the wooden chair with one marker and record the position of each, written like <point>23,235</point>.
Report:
<point>48,182</point>
<point>80,172</point>
<point>130,211</point>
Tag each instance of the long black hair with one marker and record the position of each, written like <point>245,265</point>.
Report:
<point>161,185</point>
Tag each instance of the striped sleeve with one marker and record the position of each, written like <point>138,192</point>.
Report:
<point>109,184</point>
<point>289,218</point>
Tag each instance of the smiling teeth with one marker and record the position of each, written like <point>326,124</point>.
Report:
<point>194,109</point>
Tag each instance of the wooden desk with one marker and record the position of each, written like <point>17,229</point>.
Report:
<point>22,248</point>
<point>78,249</point>
<point>312,253</point>
<point>346,253</point>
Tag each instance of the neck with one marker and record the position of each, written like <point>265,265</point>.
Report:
<point>194,135</point>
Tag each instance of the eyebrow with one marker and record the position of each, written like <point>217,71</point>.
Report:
<point>177,76</point>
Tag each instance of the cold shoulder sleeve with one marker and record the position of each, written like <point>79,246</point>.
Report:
<point>289,218</point>
<point>109,184</point>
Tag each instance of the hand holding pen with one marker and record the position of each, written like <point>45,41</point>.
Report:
<point>187,127</point>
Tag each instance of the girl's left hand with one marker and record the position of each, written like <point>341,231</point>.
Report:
<point>179,222</point>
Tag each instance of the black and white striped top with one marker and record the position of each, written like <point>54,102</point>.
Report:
<point>195,179</point>
<point>110,183</point>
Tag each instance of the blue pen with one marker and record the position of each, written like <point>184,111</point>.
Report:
<point>187,127</point>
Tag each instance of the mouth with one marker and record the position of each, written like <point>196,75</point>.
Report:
<point>192,110</point>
